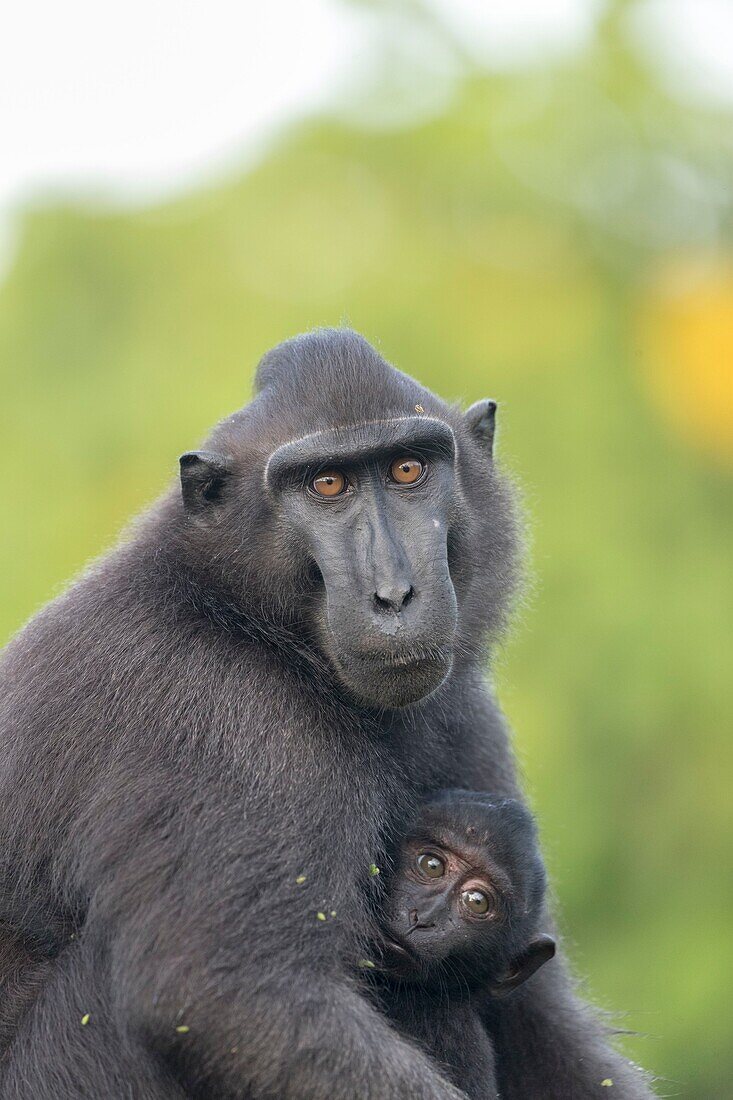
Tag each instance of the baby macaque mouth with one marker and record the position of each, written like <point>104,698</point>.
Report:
<point>398,953</point>
<point>397,947</point>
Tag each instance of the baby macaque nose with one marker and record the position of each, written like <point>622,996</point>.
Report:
<point>419,920</point>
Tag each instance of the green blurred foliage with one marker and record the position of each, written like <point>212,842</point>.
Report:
<point>504,247</point>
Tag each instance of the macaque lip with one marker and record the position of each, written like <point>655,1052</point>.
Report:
<point>394,946</point>
<point>395,659</point>
<point>398,955</point>
<point>416,660</point>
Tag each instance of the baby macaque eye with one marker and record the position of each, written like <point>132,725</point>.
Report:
<point>430,865</point>
<point>476,901</point>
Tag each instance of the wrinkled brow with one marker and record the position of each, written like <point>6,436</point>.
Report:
<point>362,441</point>
<point>474,850</point>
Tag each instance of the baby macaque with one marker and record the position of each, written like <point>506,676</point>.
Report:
<point>461,920</point>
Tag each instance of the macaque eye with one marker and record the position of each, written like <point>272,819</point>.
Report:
<point>406,471</point>
<point>329,483</point>
<point>475,901</point>
<point>430,865</point>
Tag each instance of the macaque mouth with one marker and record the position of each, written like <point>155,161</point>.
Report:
<point>398,947</point>
<point>406,659</point>
<point>398,952</point>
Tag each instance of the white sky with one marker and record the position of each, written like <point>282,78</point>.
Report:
<point>139,97</point>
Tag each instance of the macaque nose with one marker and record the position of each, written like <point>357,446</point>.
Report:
<point>393,597</point>
<point>420,920</point>
<point>431,911</point>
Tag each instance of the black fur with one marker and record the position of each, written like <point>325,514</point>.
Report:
<point>181,741</point>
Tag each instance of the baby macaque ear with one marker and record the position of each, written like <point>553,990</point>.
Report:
<point>541,949</point>
<point>480,420</point>
<point>203,476</point>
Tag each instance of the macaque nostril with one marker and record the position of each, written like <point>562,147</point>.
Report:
<point>393,597</point>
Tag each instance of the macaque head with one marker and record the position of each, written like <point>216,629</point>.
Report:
<point>467,895</point>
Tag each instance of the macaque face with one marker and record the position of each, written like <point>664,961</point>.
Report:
<point>445,903</point>
<point>466,897</point>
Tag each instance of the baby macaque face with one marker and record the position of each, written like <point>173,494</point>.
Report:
<point>467,896</point>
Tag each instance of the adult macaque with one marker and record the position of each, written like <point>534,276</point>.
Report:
<point>282,661</point>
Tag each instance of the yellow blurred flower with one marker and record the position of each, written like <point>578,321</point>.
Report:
<point>686,343</point>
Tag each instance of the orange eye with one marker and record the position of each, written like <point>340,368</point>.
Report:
<point>330,483</point>
<point>406,471</point>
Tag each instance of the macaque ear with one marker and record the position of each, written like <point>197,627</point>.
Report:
<point>480,420</point>
<point>541,949</point>
<point>203,476</point>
